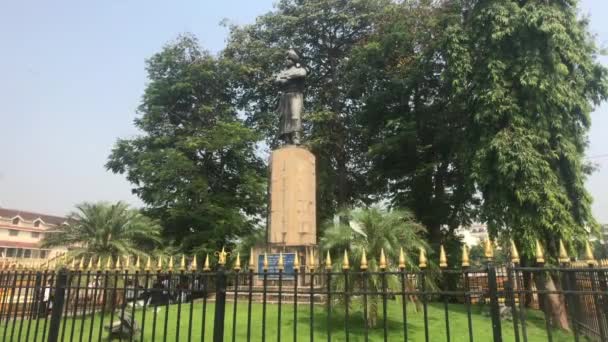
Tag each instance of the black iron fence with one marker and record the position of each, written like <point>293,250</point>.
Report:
<point>332,302</point>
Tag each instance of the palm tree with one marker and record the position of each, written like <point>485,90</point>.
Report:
<point>371,230</point>
<point>103,229</point>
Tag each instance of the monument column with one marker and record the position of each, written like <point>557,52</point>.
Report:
<point>292,190</point>
<point>292,198</point>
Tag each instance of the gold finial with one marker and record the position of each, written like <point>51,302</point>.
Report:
<point>222,256</point>
<point>117,263</point>
<point>382,264</point>
<point>540,255</point>
<point>401,259</point>
<point>237,263</point>
<point>251,261</point>
<point>109,263</point>
<point>311,261</point>
<point>73,267</point>
<point>563,254</point>
<point>514,253</point>
<point>90,265</point>
<point>206,265</point>
<point>281,262</point>
<point>137,264</point>
<point>328,261</point>
<point>265,264</point>
<point>345,263</point>
<point>159,264</point>
<point>422,262</point>
<point>148,264</point>
<point>98,267</point>
<point>488,250</point>
<point>465,256</point>
<point>182,263</point>
<point>296,262</point>
<point>193,265</point>
<point>171,263</point>
<point>589,258</point>
<point>81,264</point>
<point>443,259</point>
<point>127,261</point>
<point>363,261</point>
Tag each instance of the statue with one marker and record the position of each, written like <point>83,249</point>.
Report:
<point>291,81</point>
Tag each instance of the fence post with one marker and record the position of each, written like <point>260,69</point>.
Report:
<point>494,308</point>
<point>220,305</point>
<point>58,301</point>
<point>597,300</point>
<point>35,305</point>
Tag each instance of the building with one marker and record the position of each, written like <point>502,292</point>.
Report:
<point>21,233</point>
<point>474,234</point>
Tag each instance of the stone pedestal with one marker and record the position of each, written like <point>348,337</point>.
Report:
<point>293,218</point>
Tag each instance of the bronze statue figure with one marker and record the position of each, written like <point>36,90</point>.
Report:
<point>291,81</point>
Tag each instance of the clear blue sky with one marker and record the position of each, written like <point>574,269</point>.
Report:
<point>72,74</point>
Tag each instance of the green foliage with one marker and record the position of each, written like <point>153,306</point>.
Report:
<point>532,82</point>
<point>458,110</point>
<point>600,250</point>
<point>323,32</point>
<point>480,110</point>
<point>370,231</point>
<point>415,129</point>
<point>194,165</point>
<point>103,229</point>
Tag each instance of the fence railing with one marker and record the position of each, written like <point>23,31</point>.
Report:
<point>333,302</point>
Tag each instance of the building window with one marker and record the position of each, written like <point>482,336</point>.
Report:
<point>11,252</point>
<point>13,232</point>
<point>27,253</point>
<point>16,221</point>
<point>35,235</point>
<point>37,224</point>
<point>43,254</point>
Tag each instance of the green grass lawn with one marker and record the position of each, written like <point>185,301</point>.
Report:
<point>482,328</point>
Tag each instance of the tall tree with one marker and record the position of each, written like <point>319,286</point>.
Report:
<point>194,165</point>
<point>415,128</point>
<point>104,229</point>
<point>531,83</point>
<point>488,99</point>
<point>323,32</point>
<point>483,105</point>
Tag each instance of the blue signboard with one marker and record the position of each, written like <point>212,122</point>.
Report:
<point>273,265</point>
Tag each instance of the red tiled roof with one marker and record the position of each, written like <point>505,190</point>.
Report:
<point>18,244</point>
<point>31,216</point>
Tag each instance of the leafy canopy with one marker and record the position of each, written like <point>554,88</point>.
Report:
<point>194,165</point>
<point>104,229</point>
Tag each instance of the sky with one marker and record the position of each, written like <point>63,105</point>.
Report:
<point>72,73</point>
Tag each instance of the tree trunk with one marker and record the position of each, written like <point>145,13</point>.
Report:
<point>556,305</point>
